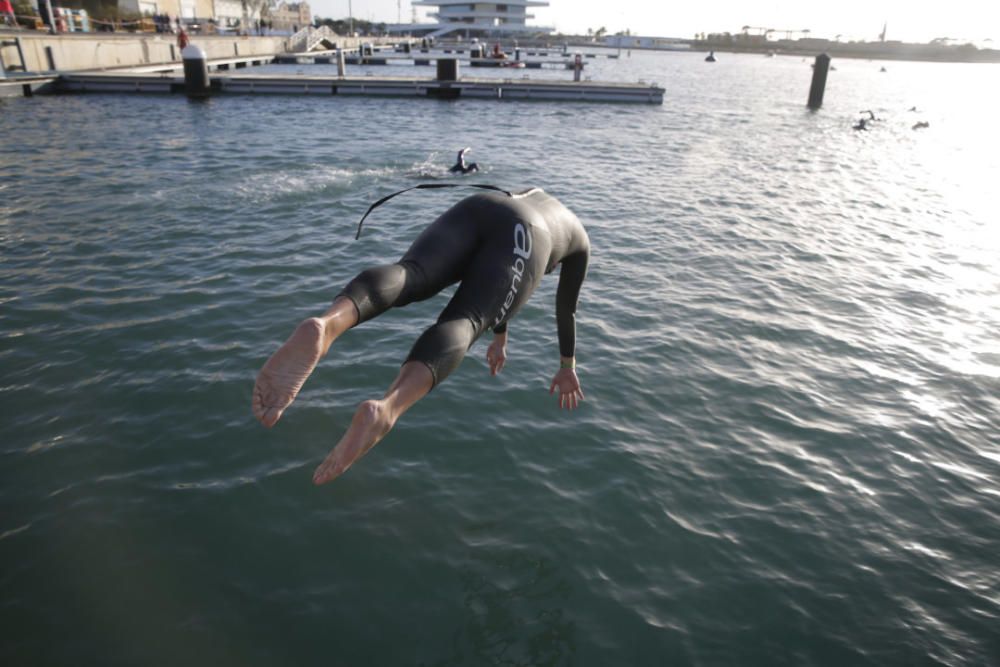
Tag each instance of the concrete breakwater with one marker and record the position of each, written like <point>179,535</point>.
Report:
<point>76,52</point>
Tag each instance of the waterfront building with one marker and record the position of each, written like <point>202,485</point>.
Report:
<point>478,19</point>
<point>287,17</point>
<point>231,14</point>
<point>227,14</point>
<point>187,9</point>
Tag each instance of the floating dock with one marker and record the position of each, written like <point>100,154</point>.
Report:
<point>26,85</point>
<point>327,58</point>
<point>214,65</point>
<point>428,58</point>
<point>167,78</point>
<point>262,84</point>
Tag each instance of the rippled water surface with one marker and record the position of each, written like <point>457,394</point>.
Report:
<point>789,451</point>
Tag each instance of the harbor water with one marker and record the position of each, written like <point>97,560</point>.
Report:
<point>788,340</point>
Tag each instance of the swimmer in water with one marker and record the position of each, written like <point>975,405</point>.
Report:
<point>460,167</point>
<point>862,124</point>
<point>497,247</point>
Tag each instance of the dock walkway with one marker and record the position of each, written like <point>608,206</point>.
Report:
<point>262,84</point>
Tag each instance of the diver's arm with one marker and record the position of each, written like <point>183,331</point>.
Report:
<point>570,393</point>
<point>496,354</point>
<point>571,275</point>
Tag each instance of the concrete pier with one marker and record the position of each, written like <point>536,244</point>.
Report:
<point>27,86</point>
<point>497,89</point>
<point>95,50</point>
<point>155,67</point>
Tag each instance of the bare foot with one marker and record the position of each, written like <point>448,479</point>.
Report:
<point>370,423</point>
<point>281,378</point>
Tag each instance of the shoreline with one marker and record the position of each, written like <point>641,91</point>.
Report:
<point>893,51</point>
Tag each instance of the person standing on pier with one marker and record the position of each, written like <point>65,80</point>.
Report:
<point>497,247</point>
<point>7,10</point>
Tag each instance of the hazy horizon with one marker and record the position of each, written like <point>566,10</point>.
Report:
<point>966,20</point>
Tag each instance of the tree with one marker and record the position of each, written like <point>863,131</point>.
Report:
<point>23,8</point>
<point>342,26</point>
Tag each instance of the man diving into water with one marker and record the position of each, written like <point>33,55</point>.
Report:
<point>460,167</point>
<point>497,247</point>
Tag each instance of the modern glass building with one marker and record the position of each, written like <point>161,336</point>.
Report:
<point>476,18</point>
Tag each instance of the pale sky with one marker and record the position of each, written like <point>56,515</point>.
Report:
<point>971,20</point>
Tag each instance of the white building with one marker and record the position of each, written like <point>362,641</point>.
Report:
<point>229,15</point>
<point>187,9</point>
<point>478,18</point>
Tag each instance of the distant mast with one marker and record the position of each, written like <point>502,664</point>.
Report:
<point>881,37</point>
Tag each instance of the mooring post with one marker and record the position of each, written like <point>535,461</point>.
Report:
<point>447,69</point>
<point>577,66</point>
<point>196,82</point>
<point>818,86</point>
<point>517,53</point>
<point>341,63</point>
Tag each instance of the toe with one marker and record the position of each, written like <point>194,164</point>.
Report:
<point>270,416</point>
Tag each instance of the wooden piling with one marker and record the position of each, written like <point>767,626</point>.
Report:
<point>818,87</point>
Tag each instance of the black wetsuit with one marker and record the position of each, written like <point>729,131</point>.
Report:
<point>498,247</point>
<point>460,167</point>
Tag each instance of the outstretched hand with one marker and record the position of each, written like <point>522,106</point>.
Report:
<point>496,354</point>
<point>570,393</point>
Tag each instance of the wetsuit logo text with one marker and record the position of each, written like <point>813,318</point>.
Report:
<point>522,252</point>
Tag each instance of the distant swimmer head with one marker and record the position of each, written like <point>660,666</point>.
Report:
<point>921,125</point>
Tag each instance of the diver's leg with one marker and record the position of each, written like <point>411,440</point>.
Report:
<point>369,294</point>
<point>436,259</point>
<point>281,378</point>
<point>437,352</point>
<point>374,418</point>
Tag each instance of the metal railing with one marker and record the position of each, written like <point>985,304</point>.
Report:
<point>308,38</point>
